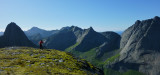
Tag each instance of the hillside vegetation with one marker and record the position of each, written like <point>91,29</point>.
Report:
<point>103,62</point>
<point>24,60</point>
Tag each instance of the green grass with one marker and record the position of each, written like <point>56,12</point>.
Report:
<point>111,72</point>
<point>129,72</point>
<point>69,49</point>
<point>111,59</point>
<point>132,72</point>
<point>25,60</point>
<point>89,55</point>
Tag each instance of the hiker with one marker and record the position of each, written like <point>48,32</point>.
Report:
<point>40,44</point>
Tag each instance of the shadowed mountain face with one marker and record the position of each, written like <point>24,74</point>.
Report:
<point>14,36</point>
<point>89,39</point>
<point>140,47</point>
<point>82,40</point>
<point>112,43</point>
<point>63,39</point>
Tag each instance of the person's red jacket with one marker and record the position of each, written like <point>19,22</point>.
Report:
<point>40,43</point>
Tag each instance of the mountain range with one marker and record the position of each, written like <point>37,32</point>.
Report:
<point>42,32</point>
<point>136,51</point>
<point>35,34</point>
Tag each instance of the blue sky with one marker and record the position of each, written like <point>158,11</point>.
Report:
<point>102,15</point>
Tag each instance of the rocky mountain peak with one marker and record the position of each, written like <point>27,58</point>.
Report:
<point>156,18</point>
<point>12,28</point>
<point>75,28</point>
<point>14,36</point>
<point>12,24</point>
<point>34,28</point>
<point>138,22</point>
<point>90,29</point>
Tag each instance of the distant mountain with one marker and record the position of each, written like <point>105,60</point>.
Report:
<point>36,34</point>
<point>65,28</point>
<point>1,33</point>
<point>140,48</point>
<point>83,39</point>
<point>14,36</point>
<point>61,40</point>
<point>44,33</point>
<point>119,32</point>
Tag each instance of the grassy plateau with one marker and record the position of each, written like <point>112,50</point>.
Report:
<point>26,61</point>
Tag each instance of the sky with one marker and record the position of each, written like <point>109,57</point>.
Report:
<point>102,15</point>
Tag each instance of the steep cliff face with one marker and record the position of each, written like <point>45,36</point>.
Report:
<point>14,36</point>
<point>141,37</point>
<point>140,47</point>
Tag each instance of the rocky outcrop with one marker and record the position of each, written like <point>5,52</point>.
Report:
<point>140,47</point>
<point>14,36</point>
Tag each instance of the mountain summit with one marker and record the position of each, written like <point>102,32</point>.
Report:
<point>14,36</point>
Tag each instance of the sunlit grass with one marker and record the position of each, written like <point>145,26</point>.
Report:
<point>41,62</point>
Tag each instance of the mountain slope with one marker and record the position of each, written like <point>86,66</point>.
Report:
<point>96,54</point>
<point>35,38</point>
<point>140,48</point>
<point>14,36</point>
<point>89,39</point>
<point>24,60</point>
<point>61,40</point>
<point>36,34</point>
